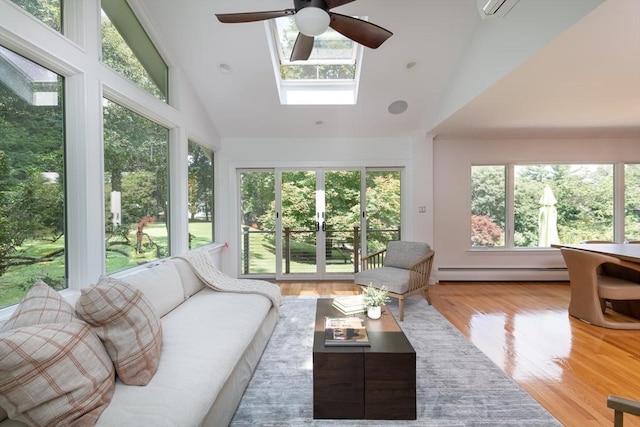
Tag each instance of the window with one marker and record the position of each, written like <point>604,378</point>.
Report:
<point>200,190</point>
<point>127,49</point>
<point>48,11</point>
<point>552,203</point>
<point>136,188</point>
<point>330,75</point>
<point>32,190</point>
<point>257,204</point>
<point>632,201</point>
<point>582,196</point>
<point>488,205</point>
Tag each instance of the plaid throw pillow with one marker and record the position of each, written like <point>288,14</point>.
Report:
<point>127,325</point>
<point>40,305</point>
<point>54,374</point>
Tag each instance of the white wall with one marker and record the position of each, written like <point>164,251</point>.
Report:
<point>500,45</point>
<point>452,199</point>
<point>412,153</point>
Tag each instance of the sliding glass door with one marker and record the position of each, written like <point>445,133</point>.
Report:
<point>309,223</point>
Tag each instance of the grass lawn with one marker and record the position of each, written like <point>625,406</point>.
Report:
<point>262,257</point>
<point>17,280</point>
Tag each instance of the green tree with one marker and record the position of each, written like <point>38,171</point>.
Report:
<point>257,191</point>
<point>585,202</point>
<point>48,11</point>
<point>200,180</point>
<point>31,143</point>
<point>119,56</point>
<point>632,201</point>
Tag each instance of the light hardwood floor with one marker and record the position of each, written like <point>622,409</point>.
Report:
<point>568,366</point>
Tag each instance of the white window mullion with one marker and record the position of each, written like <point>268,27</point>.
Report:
<point>510,208</point>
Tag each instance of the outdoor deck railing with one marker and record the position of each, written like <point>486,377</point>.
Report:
<point>341,246</point>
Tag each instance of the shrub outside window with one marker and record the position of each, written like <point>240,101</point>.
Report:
<point>32,189</point>
<point>488,205</point>
<point>136,188</point>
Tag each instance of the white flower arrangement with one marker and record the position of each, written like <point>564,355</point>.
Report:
<point>374,297</point>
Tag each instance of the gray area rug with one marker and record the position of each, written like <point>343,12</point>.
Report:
<point>457,385</point>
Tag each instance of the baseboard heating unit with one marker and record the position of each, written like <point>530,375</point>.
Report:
<point>502,273</point>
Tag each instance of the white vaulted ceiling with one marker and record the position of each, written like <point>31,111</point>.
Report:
<point>550,68</point>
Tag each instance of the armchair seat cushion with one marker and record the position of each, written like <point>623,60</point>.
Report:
<point>403,267</point>
<point>395,279</point>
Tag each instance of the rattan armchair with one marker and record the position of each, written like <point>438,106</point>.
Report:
<point>403,267</point>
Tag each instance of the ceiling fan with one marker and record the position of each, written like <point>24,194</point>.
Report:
<point>313,17</point>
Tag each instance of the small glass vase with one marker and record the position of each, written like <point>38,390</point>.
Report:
<point>374,312</point>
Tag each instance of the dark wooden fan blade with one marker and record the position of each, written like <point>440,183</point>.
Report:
<point>363,32</point>
<point>302,48</point>
<point>335,3</point>
<point>234,18</point>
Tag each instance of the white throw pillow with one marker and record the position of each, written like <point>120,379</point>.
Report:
<point>126,323</point>
<point>54,374</point>
<point>40,305</point>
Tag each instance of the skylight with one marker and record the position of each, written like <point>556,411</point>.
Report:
<point>330,75</point>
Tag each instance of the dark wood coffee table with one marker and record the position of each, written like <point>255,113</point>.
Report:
<point>375,383</point>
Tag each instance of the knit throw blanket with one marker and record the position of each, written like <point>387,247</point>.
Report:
<point>202,264</point>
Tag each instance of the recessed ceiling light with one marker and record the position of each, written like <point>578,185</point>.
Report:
<point>225,68</point>
<point>398,107</point>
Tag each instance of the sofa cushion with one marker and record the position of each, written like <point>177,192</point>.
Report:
<point>401,254</point>
<point>395,279</point>
<point>40,305</point>
<point>54,374</point>
<point>127,325</point>
<point>196,360</point>
<point>190,281</point>
<point>161,285</point>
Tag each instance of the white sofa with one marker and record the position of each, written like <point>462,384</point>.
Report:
<point>212,342</point>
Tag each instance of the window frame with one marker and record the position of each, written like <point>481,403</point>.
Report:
<point>62,94</point>
<point>618,203</point>
<point>136,38</point>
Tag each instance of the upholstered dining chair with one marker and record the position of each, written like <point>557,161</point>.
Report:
<point>402,267</point>
<point>591,286</point>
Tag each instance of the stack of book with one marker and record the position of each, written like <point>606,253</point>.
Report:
<point>345,331</point>
<point>349,304</point>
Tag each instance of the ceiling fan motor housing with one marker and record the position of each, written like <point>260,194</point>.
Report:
<point>301,4</point>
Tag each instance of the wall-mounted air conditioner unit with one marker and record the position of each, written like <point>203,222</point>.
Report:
<point>493,8</point>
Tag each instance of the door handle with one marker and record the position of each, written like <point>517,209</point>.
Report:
<point>324,225</point>
<point>317,226</point>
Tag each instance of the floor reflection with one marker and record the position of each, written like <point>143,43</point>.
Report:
<point>525,345</point>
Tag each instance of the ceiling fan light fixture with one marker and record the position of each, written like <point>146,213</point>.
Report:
<point>312,21</point>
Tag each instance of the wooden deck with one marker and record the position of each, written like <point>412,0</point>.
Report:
<point>568,366</point>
